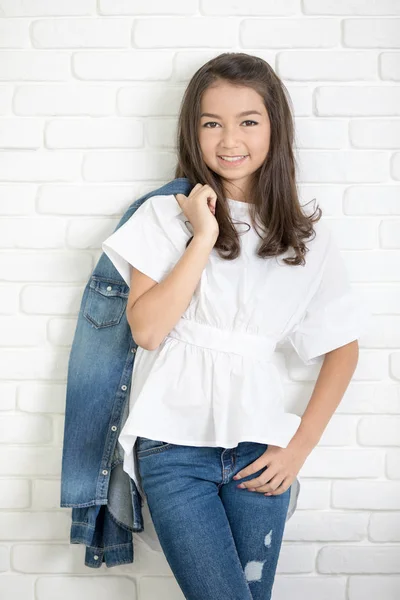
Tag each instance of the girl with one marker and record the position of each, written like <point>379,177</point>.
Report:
<point>217,279</point>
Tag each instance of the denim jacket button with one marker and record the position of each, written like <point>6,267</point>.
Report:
<point>105,472</point>
<point>124,387</point>
<point>113,428</point>
<point>96,557</point>
<point>109,288</point>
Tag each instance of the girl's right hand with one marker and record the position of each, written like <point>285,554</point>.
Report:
<point>199,208</point>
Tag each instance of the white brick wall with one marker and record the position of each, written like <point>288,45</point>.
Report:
<point>89,93</point>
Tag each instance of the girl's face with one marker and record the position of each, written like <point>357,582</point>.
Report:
<point>225,131</point>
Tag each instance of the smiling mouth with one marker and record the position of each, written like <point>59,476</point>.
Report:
<point>232,160</point>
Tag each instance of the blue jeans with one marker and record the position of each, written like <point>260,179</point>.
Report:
<point>220,541</point>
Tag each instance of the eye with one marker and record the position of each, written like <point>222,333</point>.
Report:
<point>214,123</point>
<point>210,123</point>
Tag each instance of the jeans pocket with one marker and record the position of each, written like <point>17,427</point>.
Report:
<point>147,447</point>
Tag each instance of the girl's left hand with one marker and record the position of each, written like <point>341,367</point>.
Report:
<point>283,464</point>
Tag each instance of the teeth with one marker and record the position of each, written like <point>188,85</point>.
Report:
<point>232,159</point>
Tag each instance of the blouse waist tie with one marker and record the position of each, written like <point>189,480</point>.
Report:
<point>258,347</point>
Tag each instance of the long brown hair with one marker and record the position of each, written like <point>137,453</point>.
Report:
<point>273,188</point>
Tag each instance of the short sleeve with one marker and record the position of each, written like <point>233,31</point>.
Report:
<point>335,315</point>
<point>152,240</point>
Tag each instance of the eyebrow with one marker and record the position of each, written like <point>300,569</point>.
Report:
<point>242,114</point>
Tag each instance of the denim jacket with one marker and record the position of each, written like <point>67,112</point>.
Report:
<point>106,505</point>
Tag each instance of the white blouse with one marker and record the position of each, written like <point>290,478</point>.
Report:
<point>212,381</point>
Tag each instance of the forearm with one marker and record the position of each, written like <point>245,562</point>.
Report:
<point>334,377</point>
<point>162,306</point>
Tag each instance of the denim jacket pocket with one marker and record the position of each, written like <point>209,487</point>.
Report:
<point>106,302</point>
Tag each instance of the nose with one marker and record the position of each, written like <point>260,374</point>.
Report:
<point>229,138</point>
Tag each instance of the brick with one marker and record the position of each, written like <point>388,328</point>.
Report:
<point>379,430</point>
<point>340,431</point>
<point>45,266</point>
<point>46,494</point>
<point>326,526</point>
<point>151,7</point>
<point>86,233</point>
<point>375,133</point>
<point>385,527</point>
<point>354,234</point>
<point>8,392</point>
<point>51,300</point>
<point>184,32</point>
<point>33,461</point>
<point>389,66</point>
<point>316,586</point>
<point>32,233</point>
<point>393,464</point>
<point>4,561</point>
<point>119,65</point>
<point>293,560</point>
<point>371,200</point>
<point>315,494</point>
<point>301,98</point>
<point>61,331</point>
<point>87,199</point>
<point>13,586</point>
<point>343,463</point>
<point>371,33</point>
<point>25,429</point>
<point>128,166</point>
<point>9,299</point>
<point>34,8</point>
<point>94,133</point>
<point>357,101</point>
<point>14,34</point>
<point>149,101</point>
<point>289,33</point>
<point>81,33</point>
<point>343,166</point>
<point>161,133</point>
<point>328,197</point>
<point>370,398</point>
<point>381,299</point>
<point>303,65</point>
<point>396,166</point>
<point>256,7</point>
<point>366,495</point>
<point>358,559</point>
<point>355,7</point>
<point>389,232</point>
<point>6,92</point>
<point>14,493</point>
<point>361,587</point>
<point>41,363</point>
<point>394,365</point>
<point>17,199</point>
<point>40,166</point>
<point>82,588</point>
<point>34,525</point>
<point>321,133</point>
<point>41,398</point>
<point>34,66</point>
<point>48,558</point>
<point>370,265</point>
<point>91,100</point>
<point>21,133</point>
